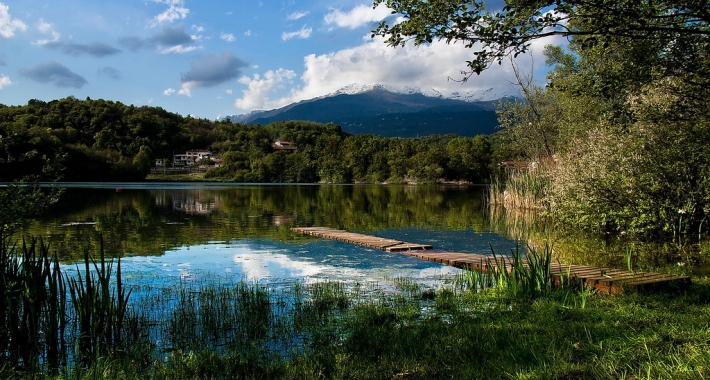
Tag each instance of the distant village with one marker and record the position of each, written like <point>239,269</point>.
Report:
<point>204,158</point>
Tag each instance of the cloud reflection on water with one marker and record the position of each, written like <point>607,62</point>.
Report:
<point>275,263</point>
<point>265,264</point>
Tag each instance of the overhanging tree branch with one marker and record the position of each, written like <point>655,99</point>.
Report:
<point>492,36</point>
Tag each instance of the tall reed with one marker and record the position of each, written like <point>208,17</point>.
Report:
<point>529,275</point>
<point>522,189</point>
<point>33,322</point>
<point>38,324</point>
<point>100,310</point>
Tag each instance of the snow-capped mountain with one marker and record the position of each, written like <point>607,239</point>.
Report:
<point>466,96</point>
<point>392,111</point>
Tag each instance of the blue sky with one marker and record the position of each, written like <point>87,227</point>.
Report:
<point>215,58</point>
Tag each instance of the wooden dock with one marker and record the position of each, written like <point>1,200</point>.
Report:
<point>605,280</point>
<point>387,245</point>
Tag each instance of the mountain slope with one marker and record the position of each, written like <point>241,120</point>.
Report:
<point>380,111</point>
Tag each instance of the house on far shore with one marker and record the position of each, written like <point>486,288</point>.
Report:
<point>160,162</point>
<point>199,155</point>
<point>183,160</point>
<point>191,157</point>
<point>284,145</point>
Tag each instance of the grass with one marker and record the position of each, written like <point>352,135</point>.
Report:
<point>478,325</point>
<point>99,308</point>
<point>469,335</point>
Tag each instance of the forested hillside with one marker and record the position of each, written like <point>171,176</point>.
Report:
<point>99,140</point>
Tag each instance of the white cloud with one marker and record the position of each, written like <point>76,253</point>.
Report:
<point>296,15</point>
<point>176,11</point>
<point>358,16</point>
<point>46,28</point>
<point>8,25</point>
<point>424,66</point>
<point>303,34</point>
<point>178,49</point>
<point>247,33</point>
<point>228,37</point>
<point>228,91</point>
<point>256,96</point>
<point>4,81</point>
<point>169,91</point>
<point>186,89</point>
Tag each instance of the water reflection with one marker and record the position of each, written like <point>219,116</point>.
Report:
<point>263,265</point>
<point>150,219</point>
<point>233,230</point>
<point>168,233</point>
<point>275,263</point>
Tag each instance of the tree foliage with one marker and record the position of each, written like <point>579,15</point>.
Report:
<point>493,35</point>
<point>624,119</point>
<point>109,141</point>
<point>327,154</point>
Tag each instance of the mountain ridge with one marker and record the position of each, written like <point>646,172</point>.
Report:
<point>391,111</point>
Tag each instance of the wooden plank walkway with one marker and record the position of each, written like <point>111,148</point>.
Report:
<point>388,245</point>
<point>605,280</point>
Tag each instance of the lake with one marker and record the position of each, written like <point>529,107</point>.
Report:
<point>169,232</point>
<point>194,231</point>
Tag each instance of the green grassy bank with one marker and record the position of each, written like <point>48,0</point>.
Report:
<point>477,336</point>
<point>99,326</point>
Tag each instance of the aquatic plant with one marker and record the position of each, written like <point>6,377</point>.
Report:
<point>528,275</point>
<point>100,310</point>
<point>524,189</point>
<point>33,322</point>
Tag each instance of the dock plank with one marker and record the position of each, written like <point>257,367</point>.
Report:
<point>606,280</point>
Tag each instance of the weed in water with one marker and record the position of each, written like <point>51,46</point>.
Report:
<point>33,326</point>
<point>100,310</point>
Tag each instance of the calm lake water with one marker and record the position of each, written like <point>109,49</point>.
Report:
<point>198,231</point>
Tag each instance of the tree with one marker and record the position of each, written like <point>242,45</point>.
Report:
<point>469,158</point>
<point>624,117</point>
<point>142,160</point>
<point>681,25</point>
<point>534,122</point>
<point>24,199</point>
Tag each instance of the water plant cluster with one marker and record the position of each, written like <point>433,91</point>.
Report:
<point>51,320</point>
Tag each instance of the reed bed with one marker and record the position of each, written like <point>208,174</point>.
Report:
<point>33,322</point>
<point>524,189</point>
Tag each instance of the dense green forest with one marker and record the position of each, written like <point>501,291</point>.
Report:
<point>99,140</point>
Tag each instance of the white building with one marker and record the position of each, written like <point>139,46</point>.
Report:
<point>183,160</point>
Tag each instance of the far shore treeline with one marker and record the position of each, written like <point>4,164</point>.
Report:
<point>101,140</point>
